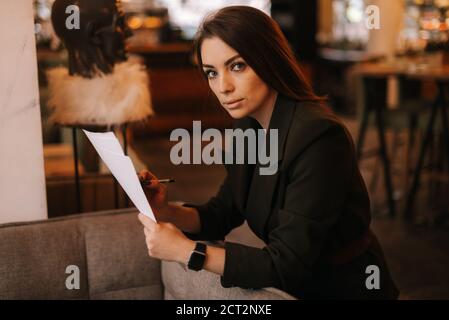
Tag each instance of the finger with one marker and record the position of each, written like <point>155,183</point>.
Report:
<point>148,238</point>
<point>146,221</point>
<point>155,185</point>
<point>152,185</point>
<point>149,176</point>
<point>144,176</point>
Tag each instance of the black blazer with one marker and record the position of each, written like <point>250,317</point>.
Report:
<point>314,207</point>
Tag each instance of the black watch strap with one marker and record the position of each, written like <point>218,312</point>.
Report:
<point>197,257</point>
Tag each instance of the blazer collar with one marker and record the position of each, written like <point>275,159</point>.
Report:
<point>281,119</point>
<point>254,192</point>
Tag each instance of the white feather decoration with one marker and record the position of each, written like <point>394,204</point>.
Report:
<point>116,98</point>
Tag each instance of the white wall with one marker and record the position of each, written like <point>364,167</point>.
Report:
<point>22,177</point>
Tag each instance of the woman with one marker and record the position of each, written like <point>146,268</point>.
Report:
<point>313,213</point>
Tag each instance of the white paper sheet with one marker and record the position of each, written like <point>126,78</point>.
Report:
<point>121,167</point>
<point>106,140</point>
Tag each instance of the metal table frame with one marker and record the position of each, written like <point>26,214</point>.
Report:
<point>74,129</point>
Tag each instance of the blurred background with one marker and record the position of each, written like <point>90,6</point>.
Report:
<point>387,82</point>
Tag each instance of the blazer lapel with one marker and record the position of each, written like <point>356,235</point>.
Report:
<point>240,174</point>
<point>262,187</point>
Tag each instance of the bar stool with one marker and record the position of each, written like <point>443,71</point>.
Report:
<point>441,77</point>
<point>373,110</point>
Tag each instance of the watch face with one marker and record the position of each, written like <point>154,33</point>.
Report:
<point>196,260</point>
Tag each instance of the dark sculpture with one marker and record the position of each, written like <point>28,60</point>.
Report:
<point>99,42</point>
<point>101,86</point>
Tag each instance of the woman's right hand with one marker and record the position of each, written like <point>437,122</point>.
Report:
<point>156,194</point>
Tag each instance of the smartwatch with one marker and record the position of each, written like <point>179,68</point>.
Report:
<point>197,257</point>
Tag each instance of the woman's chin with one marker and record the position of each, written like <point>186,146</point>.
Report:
<point>237,114</point>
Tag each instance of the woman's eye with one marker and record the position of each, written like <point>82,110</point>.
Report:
<point>210,74</point>
<point>238,66</point>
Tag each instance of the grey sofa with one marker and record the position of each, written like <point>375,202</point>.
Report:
<point>109,250</point>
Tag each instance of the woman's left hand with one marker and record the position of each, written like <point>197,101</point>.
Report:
<point>165,241</point>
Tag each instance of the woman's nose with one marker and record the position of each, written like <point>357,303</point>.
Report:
<point>226,84</point>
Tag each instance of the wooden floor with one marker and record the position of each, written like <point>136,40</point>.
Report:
<point>418,253</point>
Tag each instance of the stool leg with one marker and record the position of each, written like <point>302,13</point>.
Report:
<point>375,176</point>
<point>116,202</point>
<point>444,120</point>
<point>125,148</point>
<point>417,175</point>
<point>125,140</point>
<point>440,167</point>
<point>386,162</point>
<point>116,194</point>
<point>362,133</point>
<point>77,176</point>
<point>411,141</point>
<point>431,170</point>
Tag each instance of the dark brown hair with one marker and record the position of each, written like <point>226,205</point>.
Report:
<point>260,42</point>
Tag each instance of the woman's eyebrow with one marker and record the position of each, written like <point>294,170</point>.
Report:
<point>227,62</point>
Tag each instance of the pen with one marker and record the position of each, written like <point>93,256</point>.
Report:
<point>145,182</point>
<point>165,180</point>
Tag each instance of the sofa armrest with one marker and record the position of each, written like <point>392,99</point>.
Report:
<point>183,284</point>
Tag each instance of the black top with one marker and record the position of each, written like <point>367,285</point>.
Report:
<point>315,206</point>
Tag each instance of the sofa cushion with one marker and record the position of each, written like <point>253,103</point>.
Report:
<point>118,262</point>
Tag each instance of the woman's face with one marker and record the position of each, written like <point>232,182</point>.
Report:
<point>238,88</point>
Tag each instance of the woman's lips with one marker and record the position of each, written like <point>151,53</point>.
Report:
<point>233,104</point>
